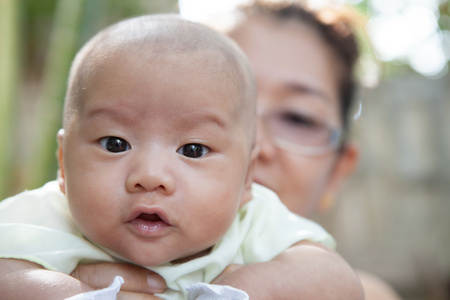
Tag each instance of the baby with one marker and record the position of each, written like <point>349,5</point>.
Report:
<point>156,160</point>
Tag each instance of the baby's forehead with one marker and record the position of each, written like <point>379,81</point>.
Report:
<point>151,37</point>
<point>139,60</point>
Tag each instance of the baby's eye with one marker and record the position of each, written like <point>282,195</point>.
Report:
<point>114,144</point>
<point>193,150</point>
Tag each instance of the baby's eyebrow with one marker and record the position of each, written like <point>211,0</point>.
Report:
<point>123,115</point>
<point>110,112</point>
<point>193,121</point>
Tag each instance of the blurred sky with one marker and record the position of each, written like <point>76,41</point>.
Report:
<point>402,31</point>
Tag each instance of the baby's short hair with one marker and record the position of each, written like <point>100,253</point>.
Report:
<point>155,35</point>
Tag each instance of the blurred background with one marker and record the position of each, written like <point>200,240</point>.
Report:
<point>395,211</point>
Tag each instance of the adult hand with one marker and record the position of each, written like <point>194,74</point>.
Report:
<point>228,270</point>
<point>135,296</point>
<point>140,283</point>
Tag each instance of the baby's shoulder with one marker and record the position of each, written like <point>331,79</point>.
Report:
<point>45,206</point>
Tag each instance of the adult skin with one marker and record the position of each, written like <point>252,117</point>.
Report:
<point>299,71</point>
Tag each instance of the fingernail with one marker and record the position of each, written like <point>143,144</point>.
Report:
<point>154,284</point>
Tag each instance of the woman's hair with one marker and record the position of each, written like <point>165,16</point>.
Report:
<point>334,27</point>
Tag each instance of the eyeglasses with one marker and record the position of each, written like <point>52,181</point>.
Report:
<point>299,133</point>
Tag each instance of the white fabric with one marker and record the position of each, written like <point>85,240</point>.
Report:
<point>196,291</point>
<point>36,226</point>
<point>108,293</point>
<point>205,291</point>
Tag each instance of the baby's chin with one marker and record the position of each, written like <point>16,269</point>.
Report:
<point>191,257</point>
<point>161,259</point>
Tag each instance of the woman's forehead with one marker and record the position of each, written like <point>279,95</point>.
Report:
<point>295,57</point>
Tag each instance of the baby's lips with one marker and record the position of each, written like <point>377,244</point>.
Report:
<point>149,222</point>
<point>152,214</point>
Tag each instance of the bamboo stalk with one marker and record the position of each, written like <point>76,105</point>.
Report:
<point>9,66</point>
<point>63,44</point>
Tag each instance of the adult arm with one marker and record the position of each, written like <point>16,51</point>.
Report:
<point>306,270</point>
<point>375,288</point>
<point>20,279</point>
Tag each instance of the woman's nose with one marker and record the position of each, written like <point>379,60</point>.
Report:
<point>267,149</point>
<point>151,171</point>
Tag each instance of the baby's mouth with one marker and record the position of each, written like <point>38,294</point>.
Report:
<point>149,224</point>
<point>149,217</point>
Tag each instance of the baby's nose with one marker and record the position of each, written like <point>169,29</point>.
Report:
<point>151,171</point>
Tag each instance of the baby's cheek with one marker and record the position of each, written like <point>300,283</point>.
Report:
<point>87,215</point>
<point>224,221</point>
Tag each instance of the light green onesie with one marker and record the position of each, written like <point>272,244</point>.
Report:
<point>37,226</point>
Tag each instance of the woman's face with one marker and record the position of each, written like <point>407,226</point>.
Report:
<point>295,73</point>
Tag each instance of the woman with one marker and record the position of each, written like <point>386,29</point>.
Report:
<point>304,70</point>
<point>304,67</point>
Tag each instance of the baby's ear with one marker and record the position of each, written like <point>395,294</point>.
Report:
<point>247,194</point>
<point>61,178</point>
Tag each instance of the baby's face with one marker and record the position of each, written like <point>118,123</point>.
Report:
<point>155,165</point>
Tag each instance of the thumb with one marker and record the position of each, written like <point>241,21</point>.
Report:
<point>137,279</point>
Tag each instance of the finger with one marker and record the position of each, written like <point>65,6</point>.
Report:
<point>136,279</point>
<point>135,296</point>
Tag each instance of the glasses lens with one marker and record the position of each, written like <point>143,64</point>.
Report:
<point>301,131</point>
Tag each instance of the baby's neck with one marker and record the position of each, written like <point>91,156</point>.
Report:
<point>191,257</point>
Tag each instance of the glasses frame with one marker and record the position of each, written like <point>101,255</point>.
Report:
<point>335,142</point>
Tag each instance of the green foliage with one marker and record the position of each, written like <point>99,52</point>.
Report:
<point>444,16</point>
<point>8,88</point>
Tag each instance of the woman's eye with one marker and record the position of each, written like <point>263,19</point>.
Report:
<point>294,119</point>
<point>114,144</point>
<point>193,150</point>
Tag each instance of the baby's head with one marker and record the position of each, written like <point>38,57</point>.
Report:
<point>158,148</point>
